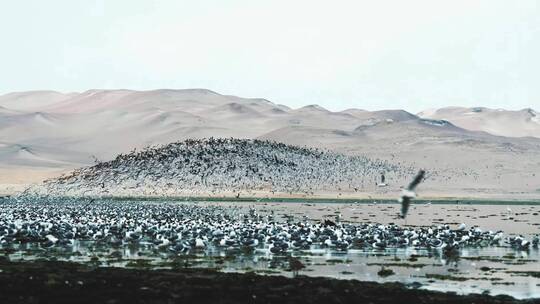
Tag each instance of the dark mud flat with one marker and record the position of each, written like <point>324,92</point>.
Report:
<point>61,282</point>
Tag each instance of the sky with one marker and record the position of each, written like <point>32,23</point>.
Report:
<point>410,55</point>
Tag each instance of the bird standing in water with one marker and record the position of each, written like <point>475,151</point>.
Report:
<point>408,194</point>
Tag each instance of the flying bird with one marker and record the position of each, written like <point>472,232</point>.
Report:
<point>409,193</point>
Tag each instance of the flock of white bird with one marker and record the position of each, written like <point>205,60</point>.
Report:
<point>213,166</point>
<point>179,228</point>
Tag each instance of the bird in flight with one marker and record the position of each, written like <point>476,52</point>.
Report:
<point>408,194</point>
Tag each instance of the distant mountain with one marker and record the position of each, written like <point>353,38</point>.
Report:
<point>501,122</point>
<point>65,131</point>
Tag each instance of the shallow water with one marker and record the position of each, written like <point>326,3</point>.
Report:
<point>497,270</point>
<point>494,270</point>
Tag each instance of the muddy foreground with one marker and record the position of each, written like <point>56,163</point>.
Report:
<point>62,282</point>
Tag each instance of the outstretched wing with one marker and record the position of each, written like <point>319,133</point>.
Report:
<point>409,193</point>
<point>416,180</point>
<point>405,203</point>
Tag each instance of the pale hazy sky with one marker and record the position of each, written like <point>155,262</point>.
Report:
<point>339,54</point>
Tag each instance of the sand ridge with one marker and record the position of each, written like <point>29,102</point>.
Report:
<point>50,131</point>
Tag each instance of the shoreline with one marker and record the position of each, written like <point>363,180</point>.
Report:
<point>65,282</point>
<point>300,200</point>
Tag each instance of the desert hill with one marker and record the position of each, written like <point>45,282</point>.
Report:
<point>32,100</point>
<point>501,122</point>
<point>67,131</point>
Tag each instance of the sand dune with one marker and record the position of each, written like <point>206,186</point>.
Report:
<point>501,122</point>
<point>20,155</point>
<point>232,110</point>
<point>32,100</point>
<point>65,131</point>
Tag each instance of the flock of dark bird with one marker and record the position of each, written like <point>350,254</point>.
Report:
<point>210,166</point>
<point>180,228</point>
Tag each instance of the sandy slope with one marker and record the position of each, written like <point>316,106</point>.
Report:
<point>32,100</point>
<point>501,122</point>
<point>49,131</point>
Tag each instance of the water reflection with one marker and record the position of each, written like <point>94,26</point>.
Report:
<point>494,270</point>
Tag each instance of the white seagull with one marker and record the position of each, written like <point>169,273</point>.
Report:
<point>409,193</point>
